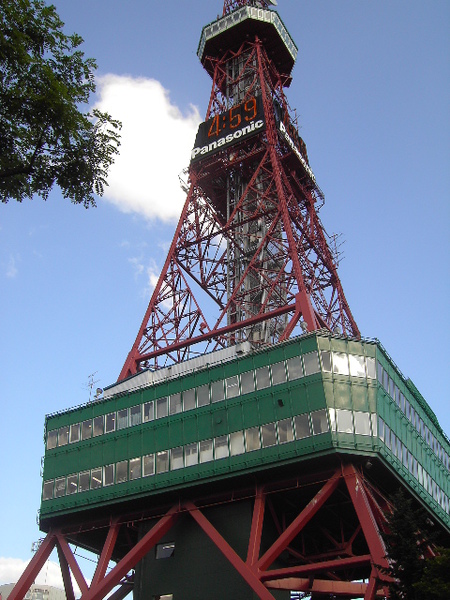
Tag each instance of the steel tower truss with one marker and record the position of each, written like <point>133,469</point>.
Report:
<point>249,260</point>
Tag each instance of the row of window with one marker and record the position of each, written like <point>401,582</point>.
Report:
<point>233,444</point>
<point>412,415</point>
<point>349,421</point>
<point>401,452</point>
<point>216,391</point>
<point>224,446</point>
<point>240,442</point>
<point>348,364</point>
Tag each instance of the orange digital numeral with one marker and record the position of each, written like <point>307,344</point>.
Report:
<point>235,117</point>
<point>250,107</point>
<point>215,127</point>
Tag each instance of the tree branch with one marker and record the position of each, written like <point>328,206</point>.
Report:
<point>26,169</point>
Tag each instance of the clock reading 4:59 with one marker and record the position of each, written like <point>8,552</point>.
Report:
<point>237,116</point>
<point>234,125</point>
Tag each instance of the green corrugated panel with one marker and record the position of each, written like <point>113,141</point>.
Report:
<point>342,394</point>
<point>315,393</point>
<point>359,396</point>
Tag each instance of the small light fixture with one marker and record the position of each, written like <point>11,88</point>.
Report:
<point>280,402</point>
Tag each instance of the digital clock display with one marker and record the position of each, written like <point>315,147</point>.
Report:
<point>239,122</point>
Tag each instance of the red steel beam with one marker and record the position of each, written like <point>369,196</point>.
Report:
<point>299,522</point>
<point>122,592</point>
<point>318,567</point>
<point>371,590</point>
<point>65,572</point>
<point>106,554</point>
<point>241,567</point>
<point>303,301</point>
<point>346,589</point>
<point>365,515</point>
<point>256,529</point>
<point>34,567</point>
<point>72,563</point>
<point>221,331</point>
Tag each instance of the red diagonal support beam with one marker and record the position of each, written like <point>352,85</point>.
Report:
<point>65,572</point>
<point>72,563</point>
<point>299,522</point>
<point>256,529</point>
<point>34,567</point>
<point>125,588</point>
<point>355,486</point>
<point>106,554</point>
<point>129,561</point>
<point>241,567</point>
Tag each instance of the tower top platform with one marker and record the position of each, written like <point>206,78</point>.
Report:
<point>247,23</point>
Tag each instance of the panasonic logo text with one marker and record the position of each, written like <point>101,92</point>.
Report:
<point>226,140</point>
<point>297,152</point>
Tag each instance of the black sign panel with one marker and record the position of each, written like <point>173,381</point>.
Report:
<point>234,125</point>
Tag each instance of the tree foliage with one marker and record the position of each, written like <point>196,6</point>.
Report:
<point>417,574</point>
<point>435,581</point>
<point>45,139</point>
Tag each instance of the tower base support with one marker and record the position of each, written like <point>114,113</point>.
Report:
<point>308,530</point>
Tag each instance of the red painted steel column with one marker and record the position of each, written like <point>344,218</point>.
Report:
<point>71,561</point>
<point>130,366</point>
<point>303,300</point>
<point>34,567</point>
<point>369,526</point>
<point>254,543</point>
<point>366,517</point>
<point>65,572</point>
<point>106,554</point>
<point>372,587</point>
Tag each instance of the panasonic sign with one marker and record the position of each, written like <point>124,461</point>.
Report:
<point>296,151</point>
<point>227,140</point>
<point>239,122</point>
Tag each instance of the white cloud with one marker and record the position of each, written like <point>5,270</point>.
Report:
<point>155,146</point>
<point>153,273</point>
<point>12,568</point>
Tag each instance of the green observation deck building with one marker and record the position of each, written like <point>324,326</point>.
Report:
<point>285,419</point>
<point>239,411</point>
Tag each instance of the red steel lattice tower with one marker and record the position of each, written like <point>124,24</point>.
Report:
<point>249,260</point>
<point>263,492</point>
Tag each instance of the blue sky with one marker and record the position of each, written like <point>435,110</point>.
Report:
<point>371,90</point>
